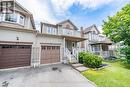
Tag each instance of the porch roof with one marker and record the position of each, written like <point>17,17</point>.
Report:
<point>101,42</point>
<point>73,38</point>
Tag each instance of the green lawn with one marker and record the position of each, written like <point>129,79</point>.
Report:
<point>116,75</point>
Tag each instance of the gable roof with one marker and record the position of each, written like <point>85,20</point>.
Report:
<point>86,30</point>
<point>60,23</point>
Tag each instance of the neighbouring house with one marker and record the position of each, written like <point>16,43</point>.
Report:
<point>97,43</point>
<point>22,45</point>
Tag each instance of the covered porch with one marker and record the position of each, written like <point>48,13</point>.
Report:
<point>70,47</point>
<point>101,49</point>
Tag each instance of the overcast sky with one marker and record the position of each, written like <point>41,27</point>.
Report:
<point>80,12</point>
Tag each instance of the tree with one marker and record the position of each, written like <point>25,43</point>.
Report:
<point>117,28</point>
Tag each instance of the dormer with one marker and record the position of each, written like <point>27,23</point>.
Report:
<point>12,14</point>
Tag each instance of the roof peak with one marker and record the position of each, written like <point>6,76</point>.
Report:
<point>67,20</point>
<point>90,27</point>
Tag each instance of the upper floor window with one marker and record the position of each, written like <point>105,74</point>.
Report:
<point>51,30</point>
<point>21,19</point>
<point>13,18</point>
<point>6,7</point>
<point>48,30</point>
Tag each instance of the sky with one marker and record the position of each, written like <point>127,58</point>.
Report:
<point>81,12</point>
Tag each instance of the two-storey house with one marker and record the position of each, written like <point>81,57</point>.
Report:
<point>96,42</point>
<point>22,45</point>
<point>68,33</point>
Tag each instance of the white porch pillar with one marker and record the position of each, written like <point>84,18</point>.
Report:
<point>64,46</point>
<point>64,52</point>
<point>85,43</point>
<point>101,50</point>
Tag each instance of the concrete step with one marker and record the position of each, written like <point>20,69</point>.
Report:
<point>73,61</point>
<point>77,65</point>
<point>81,68</point>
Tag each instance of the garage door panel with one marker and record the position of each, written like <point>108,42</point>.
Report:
<point>16,64</point>
<point>9,65</point>
<point>55,60</point>
<point>14,56</point>
<point>5,51</point>
<point>15,59</point>
<point>13,63</point>
<point>23,50</point>
<point>46,61</point>
<point>50,54</point>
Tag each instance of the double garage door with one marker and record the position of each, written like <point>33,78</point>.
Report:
<point>14,56</point>
<point>50,54</point>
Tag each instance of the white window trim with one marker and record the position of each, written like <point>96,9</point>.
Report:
<point>17,22</point>
<point>19,19</point>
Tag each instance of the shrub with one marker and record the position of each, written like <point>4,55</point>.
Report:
<point>81,56</point>
<point>126,52</point>
<point>90,60</point>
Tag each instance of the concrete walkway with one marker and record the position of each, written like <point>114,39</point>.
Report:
<point>79,67</point>
<point>60,76</point>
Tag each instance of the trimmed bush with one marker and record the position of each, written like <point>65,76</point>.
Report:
<point>81,56</point>
<point>90,60</point>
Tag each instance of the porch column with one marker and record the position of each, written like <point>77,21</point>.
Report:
<point>64,46</point>
<point>64,52</point>
<point>101,50</point>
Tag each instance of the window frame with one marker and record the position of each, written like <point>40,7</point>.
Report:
<point>20,15</point>
<point>16,18</point>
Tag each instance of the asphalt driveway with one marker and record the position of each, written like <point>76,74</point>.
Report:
<point>60,76</point>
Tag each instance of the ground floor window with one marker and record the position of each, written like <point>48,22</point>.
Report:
<point>96,47</point>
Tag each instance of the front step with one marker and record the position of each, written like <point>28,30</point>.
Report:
<point>73,61</point>
<point>81,68</point>
<point>77,65</point>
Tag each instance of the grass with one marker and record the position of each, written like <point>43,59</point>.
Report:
<point>116,75</point>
